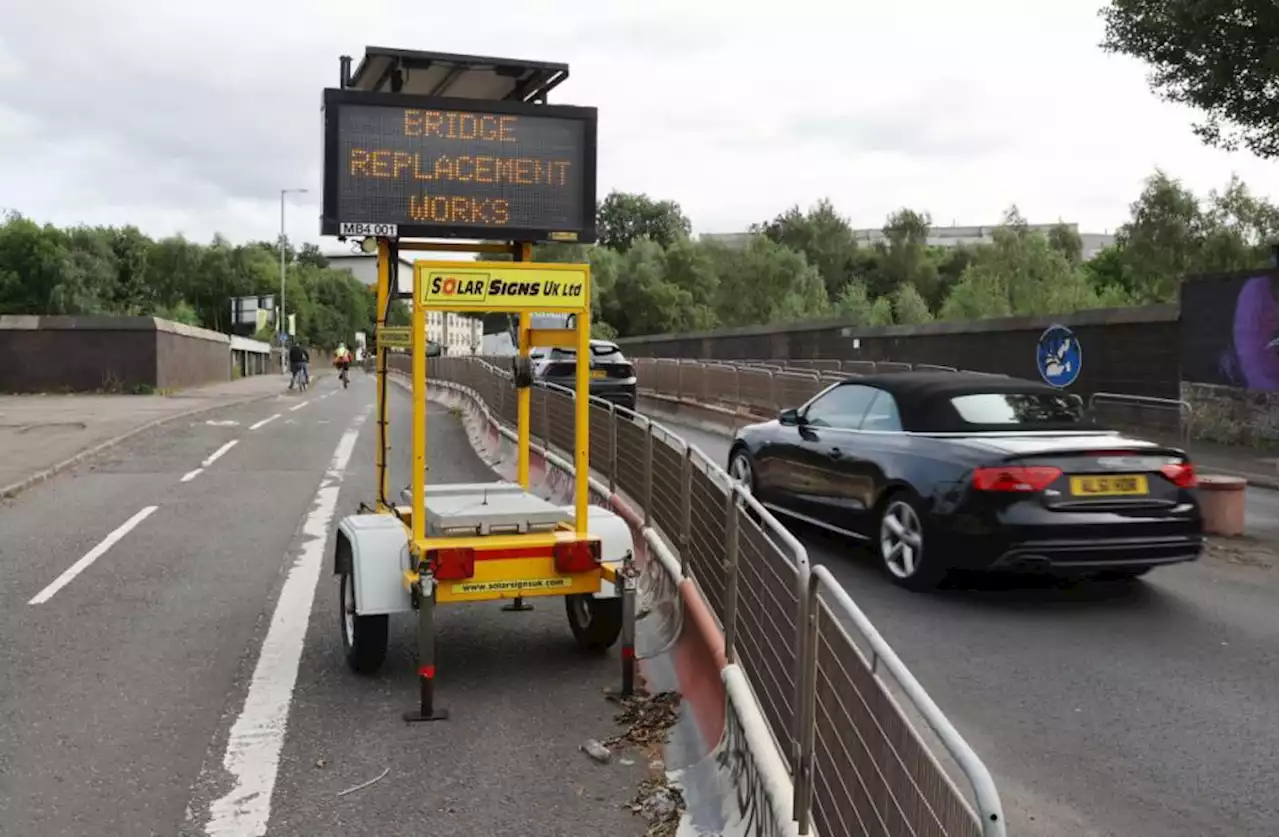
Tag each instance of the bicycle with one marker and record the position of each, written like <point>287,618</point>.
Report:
<point>301,378</point>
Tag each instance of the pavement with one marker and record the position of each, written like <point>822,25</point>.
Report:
<point>172,661</point>
<point>1258,467</point>
<point>1144,710</point>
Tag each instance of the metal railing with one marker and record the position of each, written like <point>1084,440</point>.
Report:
<point>859,765</point>
<point>764,388</point>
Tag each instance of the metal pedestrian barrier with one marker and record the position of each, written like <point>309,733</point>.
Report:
<point>762,388</point>
<point>817,666</point>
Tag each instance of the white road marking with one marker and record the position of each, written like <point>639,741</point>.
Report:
<point>252,757</point>
<point>264,422</point>
<point>299,406</point>
<point>217,454</point>
<point>222,423</point>
<point>190,475</point>
<point>92,555</point>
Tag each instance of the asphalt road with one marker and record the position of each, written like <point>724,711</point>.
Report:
<point>1146,710</point>
<point>151,690</point>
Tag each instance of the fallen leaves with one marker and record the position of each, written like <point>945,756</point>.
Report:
<point>661,804</point>
<point>646,718</point>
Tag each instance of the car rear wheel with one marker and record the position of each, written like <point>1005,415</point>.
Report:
<point>901,543</point>
<point>740,470</point>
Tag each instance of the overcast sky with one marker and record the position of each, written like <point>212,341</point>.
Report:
<point>191,116</point>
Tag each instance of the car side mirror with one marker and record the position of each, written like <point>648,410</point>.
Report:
<point>789,417</point>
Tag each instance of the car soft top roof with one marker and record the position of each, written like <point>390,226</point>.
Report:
<point>924,399</point>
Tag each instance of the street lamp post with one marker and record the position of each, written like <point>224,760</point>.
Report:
<point>281,322</point>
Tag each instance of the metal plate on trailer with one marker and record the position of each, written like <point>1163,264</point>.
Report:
<point>488,508</point>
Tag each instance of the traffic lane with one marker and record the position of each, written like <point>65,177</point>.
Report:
<point>101,493</point>
<point>113,687</point>
<point>522,698</point>
<point>1139,710</point>
<point>1153,699</point>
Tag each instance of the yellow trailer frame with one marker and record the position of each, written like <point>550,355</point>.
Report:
<point>502,566</point>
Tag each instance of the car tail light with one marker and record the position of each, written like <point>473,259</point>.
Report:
<point>577,556</point>
<point>1181,474</point>
<point>452,564</point>
<point>1021,479</point>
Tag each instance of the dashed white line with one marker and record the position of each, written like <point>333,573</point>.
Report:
<point>252,757</point>
<point>217,454</point>
<point>264,422</point>
<point>92,555</point>
<point>190,475</point>
<point>299,406</point>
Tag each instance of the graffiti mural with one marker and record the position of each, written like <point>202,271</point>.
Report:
<point>752,805</point>
<point>1229,330</point>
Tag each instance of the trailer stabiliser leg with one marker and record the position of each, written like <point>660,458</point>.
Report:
<point>628,576</point>
<point>517,605</point>
<point>425,592</point>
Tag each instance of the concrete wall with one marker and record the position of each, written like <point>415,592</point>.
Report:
<point>1129,350</point>
<point>114,354</point>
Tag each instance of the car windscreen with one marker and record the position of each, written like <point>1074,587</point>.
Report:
<point>1027,410</point>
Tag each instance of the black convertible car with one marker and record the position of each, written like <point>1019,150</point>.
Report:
<point>959,470</point>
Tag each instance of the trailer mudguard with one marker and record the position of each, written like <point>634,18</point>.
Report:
<point>377,549</point>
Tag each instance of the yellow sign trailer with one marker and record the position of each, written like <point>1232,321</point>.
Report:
<point>445,544</point>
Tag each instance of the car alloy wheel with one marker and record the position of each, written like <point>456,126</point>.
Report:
<point>740,470</point>
<point>901,539</point>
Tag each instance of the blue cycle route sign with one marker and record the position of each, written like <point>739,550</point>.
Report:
<point>1058,356</point>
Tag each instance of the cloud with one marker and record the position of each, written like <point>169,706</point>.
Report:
<point>192,117</point>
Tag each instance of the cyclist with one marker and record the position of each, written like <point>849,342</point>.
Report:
<point>299,357</point>
<point>342,360</point>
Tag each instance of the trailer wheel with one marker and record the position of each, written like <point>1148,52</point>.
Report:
<point>364,638</point>
<point>596,623</point>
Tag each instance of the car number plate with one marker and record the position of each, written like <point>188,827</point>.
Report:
<point>599,373</point>
<point>1119,485</point>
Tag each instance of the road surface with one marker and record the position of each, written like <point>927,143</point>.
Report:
<point>1103,710</point>
<point>150,688</point>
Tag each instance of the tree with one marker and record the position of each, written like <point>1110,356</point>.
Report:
<point>645,301</point>
<point>121,271</point>
<point>623,218</point>
<point>905,257</point>
<point>825,238</point>
<point>765,282</point>
<point>1020,273</point>
<point>909,308</point>
<point>1066,241</point>
<point>1219,56</point>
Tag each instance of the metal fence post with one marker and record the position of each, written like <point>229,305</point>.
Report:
<point>546,419</point>
<point>731,572</point>
<point>648,472</point>
<point>806,708</point>
<point>613,448</point>
<point>686,508</point>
